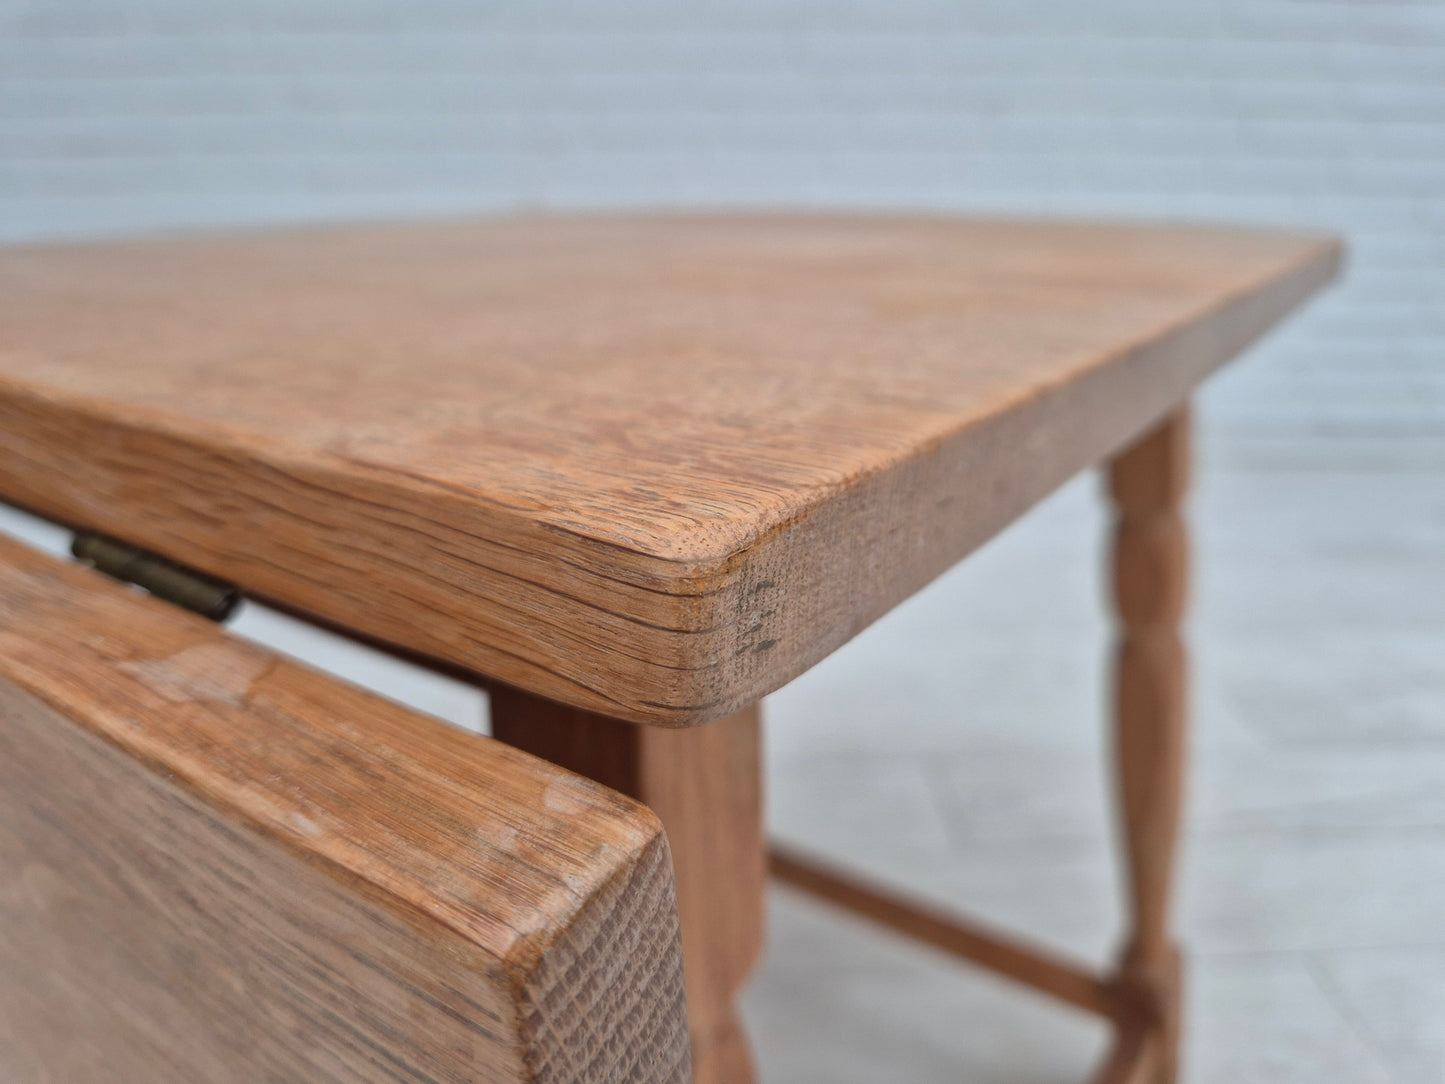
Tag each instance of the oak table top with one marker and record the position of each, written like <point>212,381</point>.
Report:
<point>654,467</point>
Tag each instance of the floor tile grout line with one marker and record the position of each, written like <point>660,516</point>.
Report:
<point>1324,981</point>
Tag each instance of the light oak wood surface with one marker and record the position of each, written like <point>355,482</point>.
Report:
<point>217,865</point>
<point>650,467</point>
<point>705,784</point>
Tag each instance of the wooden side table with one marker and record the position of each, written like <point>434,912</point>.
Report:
<point>633,474</point>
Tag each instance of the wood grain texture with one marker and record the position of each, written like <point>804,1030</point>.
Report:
<point>217,865</point>
<point>651,467</point>
<point>705,784</point>
<point>1147,483</point>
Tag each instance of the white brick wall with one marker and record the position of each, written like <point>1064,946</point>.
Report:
<point>125,115</point>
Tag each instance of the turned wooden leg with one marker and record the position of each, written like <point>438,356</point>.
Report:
<point>704,783</point>
<point>1147,483</point>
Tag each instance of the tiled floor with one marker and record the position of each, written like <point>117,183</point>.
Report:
<point>957,749</point>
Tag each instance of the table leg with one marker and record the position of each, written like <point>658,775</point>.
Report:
<point>704,783</point>
<point>1147,483</point>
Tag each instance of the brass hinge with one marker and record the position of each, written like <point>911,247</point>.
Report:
<point>184,587</point>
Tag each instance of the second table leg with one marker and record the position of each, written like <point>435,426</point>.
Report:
<point>705,785</point>
<point>1147,483</point>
